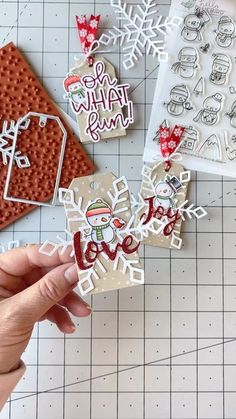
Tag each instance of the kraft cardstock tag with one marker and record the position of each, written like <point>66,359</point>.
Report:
<point>98,212</point>
<point>100,103</point>
<point>164,192</point>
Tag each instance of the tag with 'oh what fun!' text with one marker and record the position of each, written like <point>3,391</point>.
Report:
<point>101,105</point>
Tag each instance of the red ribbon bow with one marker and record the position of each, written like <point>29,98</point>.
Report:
<point>87,32</point>
<point>169,142</point>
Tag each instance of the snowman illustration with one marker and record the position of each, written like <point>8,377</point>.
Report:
<point>212,106</point>
<point>187,63</point>
<point>226,32</point>
<point>103,225</point>
<point>179,96</point>
<point>165,192</point>
<point>74,89</point>
<point>232,115</point>
<point>193,25</point>
<point>220,69</point>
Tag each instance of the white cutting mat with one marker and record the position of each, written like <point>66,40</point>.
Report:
<point>188,302</point>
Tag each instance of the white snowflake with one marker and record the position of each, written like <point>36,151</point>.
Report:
<point>12,244</point>
<point>90,37</point>
<point>93,23</point>
<point>191,211</point>
<point>178,132</point>
<point>83,33</point>
<point>48,248</point>
<point>172,145</point>
<point>140,31</point>
<point>6,143</point>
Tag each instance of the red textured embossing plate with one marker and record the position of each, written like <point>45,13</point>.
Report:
<point>20,93</point>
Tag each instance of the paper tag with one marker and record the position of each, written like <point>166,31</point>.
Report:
<point>102,107</point>
<point>164,192</point>
<point>98,213</point>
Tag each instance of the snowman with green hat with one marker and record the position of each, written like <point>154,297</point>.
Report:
<point>212,107</point>
<point>100,219</point>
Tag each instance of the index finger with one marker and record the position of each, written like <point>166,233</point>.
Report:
<point>23,260</point>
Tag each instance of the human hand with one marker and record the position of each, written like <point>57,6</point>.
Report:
<point>34,287</point>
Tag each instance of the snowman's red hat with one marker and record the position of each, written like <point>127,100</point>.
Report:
<point>98,207</point>
<point>70,79</point>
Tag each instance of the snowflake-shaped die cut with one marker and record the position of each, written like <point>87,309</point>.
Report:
<point>143,31</point>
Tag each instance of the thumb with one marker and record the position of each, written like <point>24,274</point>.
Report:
<point>36,300</point>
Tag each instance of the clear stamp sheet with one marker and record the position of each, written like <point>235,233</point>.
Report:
<point>196,87</point>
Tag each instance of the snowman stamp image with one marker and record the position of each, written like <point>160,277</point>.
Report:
<point>166,191</point>
<point>187,63</point>
<point>101,222</point>
<point>226,32</point>
<point>212,107</point>
<point>232,115</point>
<point>221,67</point>
<point>75,91</point>
<point>193,25</point>
<point>179,100</point>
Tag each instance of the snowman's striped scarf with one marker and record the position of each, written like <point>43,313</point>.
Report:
<point>99,233</point>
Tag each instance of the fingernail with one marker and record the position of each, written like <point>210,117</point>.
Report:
<point>89,307</point>
<point>71,274</point>
<point>72,329</point>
